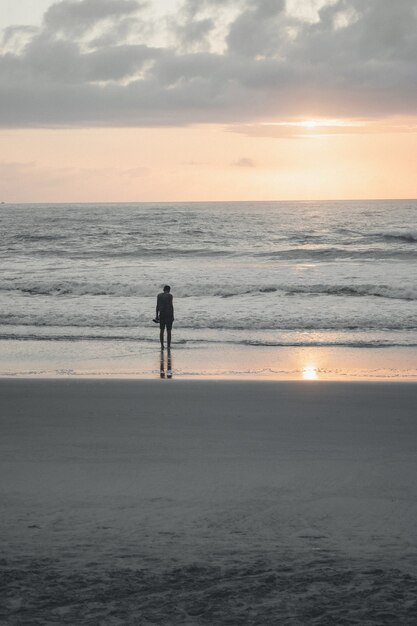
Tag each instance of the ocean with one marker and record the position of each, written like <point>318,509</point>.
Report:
<point>241,273</point>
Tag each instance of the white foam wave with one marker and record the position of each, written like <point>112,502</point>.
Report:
<point>294,342</point>
<point>407,292</point>
<point>48,287</point>
<point>400,234</point>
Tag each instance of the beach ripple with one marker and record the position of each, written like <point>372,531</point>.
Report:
<point>298,590</point>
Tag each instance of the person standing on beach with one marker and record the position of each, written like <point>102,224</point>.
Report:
<point>165,314</point>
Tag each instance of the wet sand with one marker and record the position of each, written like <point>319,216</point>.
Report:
<point>136,359</point>
<point>207,502</point>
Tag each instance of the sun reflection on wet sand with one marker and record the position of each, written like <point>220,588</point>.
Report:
<point>309,372</point>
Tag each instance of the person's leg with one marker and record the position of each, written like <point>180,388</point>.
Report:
<point>169,327</point>
<point>161,334</point>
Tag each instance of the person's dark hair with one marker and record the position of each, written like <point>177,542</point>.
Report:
<point>167,288</point>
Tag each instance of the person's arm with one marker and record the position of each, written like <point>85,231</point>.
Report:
<point>172,304</point>
<point>157,308</point>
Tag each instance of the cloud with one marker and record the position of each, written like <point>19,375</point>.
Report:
<point>258,29</point>
<point>244,162</point>
<point>77,17</point>
<point>14,38</point>
<point>194,33</point>
<point>134,172</point>
<point>102,63</point>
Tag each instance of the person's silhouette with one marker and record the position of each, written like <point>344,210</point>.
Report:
<point>165,314</point>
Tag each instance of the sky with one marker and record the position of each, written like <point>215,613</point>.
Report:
<point>171,100</point>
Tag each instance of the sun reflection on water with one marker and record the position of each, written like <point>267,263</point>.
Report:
<point>309,372</point>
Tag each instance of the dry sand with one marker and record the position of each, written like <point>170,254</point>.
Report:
<point>197,502</point>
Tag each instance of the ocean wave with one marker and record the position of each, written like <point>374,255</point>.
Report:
<point>289,254</point>
<point>134,322</point>
<point>127,290</point>
<point>407,293</point>
<point>390,235</point>
<point>39,237</point>
<point>290,343</point>
<point>163,252</point>
<point>98,251</point>
<point>44,246</point>
<point>354,343</point>
<point>334,254</point>
<point>402,235</point>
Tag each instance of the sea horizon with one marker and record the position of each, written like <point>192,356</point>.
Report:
<point>201,201</point>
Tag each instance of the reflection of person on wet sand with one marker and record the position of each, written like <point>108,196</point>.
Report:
<point>162,365</point>
<point>165,314</point>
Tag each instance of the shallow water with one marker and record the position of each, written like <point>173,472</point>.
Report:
<point>267,273</point>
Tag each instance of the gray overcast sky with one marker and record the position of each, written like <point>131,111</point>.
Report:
<point>132,63</point>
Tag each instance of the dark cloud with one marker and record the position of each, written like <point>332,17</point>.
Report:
<point>194,31</point>
<point>258,29</point>
<point>92,63</point>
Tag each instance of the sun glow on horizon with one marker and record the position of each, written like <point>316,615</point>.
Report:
<point>310,124</point>
<point>318,123</point>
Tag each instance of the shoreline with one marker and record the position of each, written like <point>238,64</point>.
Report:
<point>138,360</point>
<point>207,379</point>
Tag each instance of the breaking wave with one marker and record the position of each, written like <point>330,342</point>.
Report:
<point>399,235</point>
<point>379,291</point>
<point>333,254</point>
<point>127,290</point>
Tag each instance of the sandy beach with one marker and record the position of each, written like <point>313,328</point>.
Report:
<point>207,502</point>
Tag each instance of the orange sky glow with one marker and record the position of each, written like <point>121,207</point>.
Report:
<point>208,162</point>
